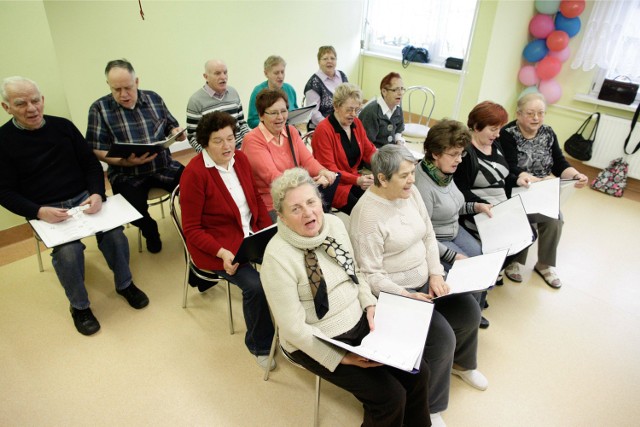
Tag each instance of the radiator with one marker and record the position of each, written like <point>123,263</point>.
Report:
<point>609,144</point>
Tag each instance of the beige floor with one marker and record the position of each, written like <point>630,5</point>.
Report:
<point>553,358</point>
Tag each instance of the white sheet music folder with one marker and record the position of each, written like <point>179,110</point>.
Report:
<point>401,326</point>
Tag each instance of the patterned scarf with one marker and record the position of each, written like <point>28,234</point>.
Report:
<point>439,177</point>
<point>316,279</point>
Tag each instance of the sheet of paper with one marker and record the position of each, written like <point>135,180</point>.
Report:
<point>167,142</point>
<point>475,274</point>
<point>567,188</point>
<point>508,228</point>
<point>300,115</point>
<point>115,211</point>
<point>542,197</point>
<point>401,326</point>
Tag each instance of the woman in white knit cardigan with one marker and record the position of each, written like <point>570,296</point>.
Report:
<point>308,289</point>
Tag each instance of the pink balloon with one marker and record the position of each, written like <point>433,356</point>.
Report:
<point>541,26</point>
<point>527,75</point>
<point>548,67</point>
<point>551,90</point>
<point>562,55</point>
<point>557,40</point>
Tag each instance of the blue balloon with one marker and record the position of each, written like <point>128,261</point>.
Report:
<point>535,50</point>
<point>570,26</point>
<point>528,90</point>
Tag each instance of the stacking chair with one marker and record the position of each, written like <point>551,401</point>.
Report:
<point>424,100</point>
<point>157,196</point>
<point>306,138</point>
<point>190,267</point>
<point>38,253</point>
<point>276,342</point>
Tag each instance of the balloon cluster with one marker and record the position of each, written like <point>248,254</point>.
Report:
<point>550,47</point>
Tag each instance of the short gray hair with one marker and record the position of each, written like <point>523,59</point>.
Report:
<point>289,180</point>
<point>13,80</point>
<point>119,63</point>
<point>387,161</point>
<point>525,99</point>
<point>272,61</point>
<point>344,92</point>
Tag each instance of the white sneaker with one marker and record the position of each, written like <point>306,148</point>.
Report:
<point>263,360</point>
<point>436,420</point>
<point>473,377</point>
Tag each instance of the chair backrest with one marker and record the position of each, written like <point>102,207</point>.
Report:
<point>424,99</point>
<point>306,138</point>
<point>176,218</point>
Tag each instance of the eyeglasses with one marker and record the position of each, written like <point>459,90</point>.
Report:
<point>397,90</point>
<point>276,113</point>
<point>456,155</point>
<point>352,110</point>
<point>532,114</point>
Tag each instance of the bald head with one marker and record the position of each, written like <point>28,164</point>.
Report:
<point>21,98</point>
<point>215,74</point>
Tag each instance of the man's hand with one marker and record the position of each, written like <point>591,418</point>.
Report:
<point>52,215</point>
<point>95,203</point>
<point>133,160</point>
<point>177,130</point>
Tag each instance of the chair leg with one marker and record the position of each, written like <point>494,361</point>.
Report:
<point>39,256</point>
<point>186,287</point>
<point>231,331</point>
<point>317,402</point>
<point>272,352</point>
<point>162,209</point>
<point>139,240</point>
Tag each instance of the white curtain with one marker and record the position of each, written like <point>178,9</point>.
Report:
<point>612,39</point>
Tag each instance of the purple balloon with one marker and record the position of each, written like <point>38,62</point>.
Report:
<point>571,26</point>
<point>562,55</point>
<point>535,50</point>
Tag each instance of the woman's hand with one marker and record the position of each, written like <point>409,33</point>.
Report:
<point>227,261</point>
<point>357,360</point>
<point>365,181</point>
<point>330,176</point>
<point>421,296</point>
<point>524,179</point>
<point>483,208</point>
<point>582,180</point>
<point>321,181</point>
<point>459,256</point>
<point>371,312</point>
<point>437,286</point>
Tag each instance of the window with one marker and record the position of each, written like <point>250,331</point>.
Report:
<point>610,42</point>
<point>441,26</point>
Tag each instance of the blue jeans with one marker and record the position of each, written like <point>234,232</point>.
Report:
<point>254,307</point>
<point>68,259</point>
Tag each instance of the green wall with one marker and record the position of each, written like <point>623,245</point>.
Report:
<point>64,46</point>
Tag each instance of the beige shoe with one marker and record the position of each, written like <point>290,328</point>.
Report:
<point>513,272</point>
<point>549,275</point>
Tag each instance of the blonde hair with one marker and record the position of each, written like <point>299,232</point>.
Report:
<point>289,180</point>
<point>536,96</point>
<point>344,92</point>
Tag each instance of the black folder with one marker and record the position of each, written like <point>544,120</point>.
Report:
<point>253,246</point>
<point>118,149</point>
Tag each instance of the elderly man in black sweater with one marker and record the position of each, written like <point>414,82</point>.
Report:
<point>46,168</point>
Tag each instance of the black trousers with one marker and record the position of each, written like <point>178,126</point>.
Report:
<point>390,396</point>
<point>137,195</point>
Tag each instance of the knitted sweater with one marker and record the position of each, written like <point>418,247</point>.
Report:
<point>46,165</point>
<point>394,242</point>
<point>445,205</point>
<point>286,285</point>
<point>202,103</point>
<point>253,119</point>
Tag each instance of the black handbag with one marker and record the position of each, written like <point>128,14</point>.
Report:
<point>618,91</point>
<point>414,54</point>
<point>580,147</point>
<point>453,63</point>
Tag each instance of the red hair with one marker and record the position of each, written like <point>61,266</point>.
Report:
<point>485,114</point>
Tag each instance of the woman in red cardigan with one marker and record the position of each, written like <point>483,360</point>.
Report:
<point>340,144</point>
<point>220,206</point>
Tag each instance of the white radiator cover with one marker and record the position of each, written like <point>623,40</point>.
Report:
<point>609,144</point>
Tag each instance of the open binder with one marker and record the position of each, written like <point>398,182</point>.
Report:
<point>401,327</point>
<point>124,150</point>
<point>253,246</point>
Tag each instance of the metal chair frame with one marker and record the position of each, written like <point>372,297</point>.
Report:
<point>157,196</point>
<point>206,275</point>
<point>428,94</point>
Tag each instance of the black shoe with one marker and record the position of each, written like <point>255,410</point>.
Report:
<point>154,244</point>
<point>134,296</point>
<point>84,321</point>
<point>484,323</point>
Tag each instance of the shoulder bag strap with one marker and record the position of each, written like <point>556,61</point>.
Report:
<point>633,124</point>
<point>293,153</point>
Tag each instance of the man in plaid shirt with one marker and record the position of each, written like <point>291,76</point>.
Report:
<point>131,115</point>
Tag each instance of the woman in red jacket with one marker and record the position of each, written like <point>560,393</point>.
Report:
<point>340,144</point>
<point>220,206</point>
